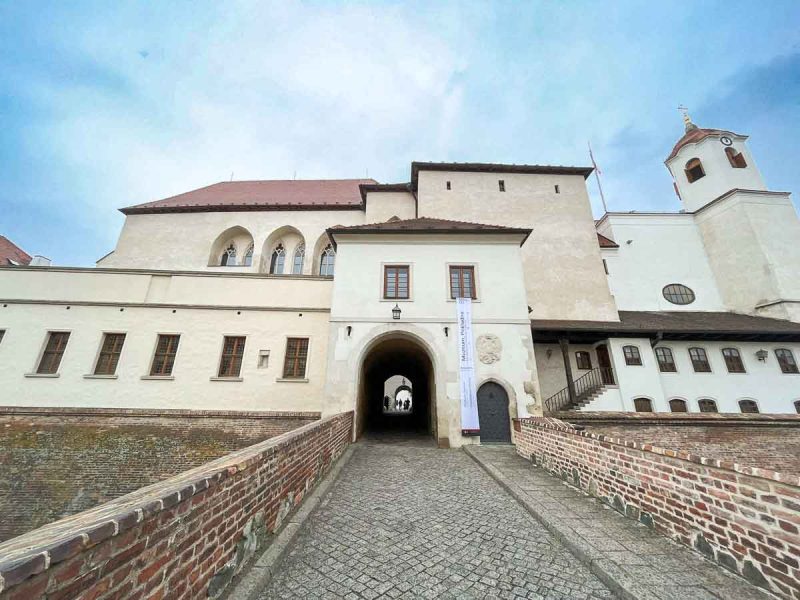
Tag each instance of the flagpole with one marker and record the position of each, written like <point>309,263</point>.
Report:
<point>597,176</point>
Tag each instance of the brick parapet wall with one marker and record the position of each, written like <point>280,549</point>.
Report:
<point>745,518</point>
<point>185,537</point>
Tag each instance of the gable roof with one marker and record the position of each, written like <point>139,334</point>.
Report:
<point>11,254</point>
<point>697,134</point>
<point>300,194</point>
<point>427,225</point>
<point>417,166</point>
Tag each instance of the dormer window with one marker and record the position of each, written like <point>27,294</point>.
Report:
<point>694,170</point>
<point>735,158</point>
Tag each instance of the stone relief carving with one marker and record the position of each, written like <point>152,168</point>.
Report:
<point>489,348</point>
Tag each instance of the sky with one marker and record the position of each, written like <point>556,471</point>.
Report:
<point>109,104</point>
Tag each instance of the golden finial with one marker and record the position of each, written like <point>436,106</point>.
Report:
<point>687,120</point>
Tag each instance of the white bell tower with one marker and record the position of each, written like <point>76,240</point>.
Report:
<point>707,163</point>
<point>751,235</point>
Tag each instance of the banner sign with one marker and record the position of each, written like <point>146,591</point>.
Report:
<point>466,368</point>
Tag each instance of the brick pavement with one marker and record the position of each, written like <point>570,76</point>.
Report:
<point>637,561</point>
<point>411,521</point>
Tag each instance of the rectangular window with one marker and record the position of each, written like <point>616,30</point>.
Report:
<point>395,282</point>
<point>164,358</point>
<point>2,334</point>
<point>632,356</point>
<point>558,190</point>
<point>501,185</point>
<point>462,282</point>
<point>605,266</point>
<point>666,361</point>
<point>448,185</point>
<point>584,360</point>
<point>294,365</point>
<point>230,364</point>
<point>53,352</point>
<point>786,360</point>
<point>733,360</point>
<point>699,359</point>
<point>109,354</point>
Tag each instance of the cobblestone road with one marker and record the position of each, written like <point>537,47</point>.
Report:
<point>411,521</point>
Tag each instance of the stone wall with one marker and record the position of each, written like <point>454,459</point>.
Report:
<point>754,440</point>
<point>185,537</point>
<point>745,518</point>
<point>56,462</point>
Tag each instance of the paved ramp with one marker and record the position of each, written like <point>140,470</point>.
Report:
<point>411,521</point>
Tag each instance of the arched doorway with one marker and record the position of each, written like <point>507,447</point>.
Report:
<point>401,365</point>
<point>493,414</point>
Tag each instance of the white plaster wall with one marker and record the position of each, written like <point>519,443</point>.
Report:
<point>500,310</point>
<point>382,206</point>
<point>550,366</point>
<point>563,270</point>
<point>663,249</point>
<point>197,360</point>
<point>753,245</point>
<point>720,176</point>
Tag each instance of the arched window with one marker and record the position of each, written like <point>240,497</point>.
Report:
<point>643,405</point>
<point>677,293</point>
<point>277,260</point>
<point>248,256</point>
<point>694,170</point>
<point>326,261</point>
<point>678,405</point>
<point>584,360</point>
<point>299,256</point>
<point>786,360</point>
<point>666,361</point>
<point>733,360</point>
<point>706,405</point>
<point>699,360</point>
<point>735,158</point>
<point>632,355</point>
<point>228,257</point>
<point>748,406</point>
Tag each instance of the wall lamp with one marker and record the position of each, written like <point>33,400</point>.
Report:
<point>762,355</point>
<point>396,312</point>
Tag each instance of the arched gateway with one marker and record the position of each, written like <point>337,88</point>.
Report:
<point>389,356</point>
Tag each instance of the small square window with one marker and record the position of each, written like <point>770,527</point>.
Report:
<point>502,185</point>
<point>584,360</point>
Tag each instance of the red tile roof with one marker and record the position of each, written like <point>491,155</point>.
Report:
<point>606,242</point>
<point>302,194</point>
<point>695,135</point>
<point>428,225</point>
<point>10,253</point>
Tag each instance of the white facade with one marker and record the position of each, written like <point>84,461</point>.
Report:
<point>208,272</point>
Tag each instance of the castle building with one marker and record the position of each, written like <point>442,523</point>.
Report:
<point>312,295</point>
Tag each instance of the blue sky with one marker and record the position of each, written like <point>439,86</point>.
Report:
<point>107,104</point>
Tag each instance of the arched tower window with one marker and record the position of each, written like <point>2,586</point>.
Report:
<point>706,405</point>
<point>643,405</point>
<point>735,158</point>
<point>748,406</point>
<point>299,257</point>
<point>248,256</point>
<point>694,170</point>
<point>277,260</point>
<point>326,261</point>
<point>228,256</point>
<point>677,405</point>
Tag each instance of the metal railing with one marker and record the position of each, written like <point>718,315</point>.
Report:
<point>584,386</point>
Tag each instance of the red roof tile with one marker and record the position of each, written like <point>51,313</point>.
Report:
<point>10,253</point>
<point>302,194</point>
<point>695,135</point>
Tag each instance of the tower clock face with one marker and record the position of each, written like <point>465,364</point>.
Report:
<point>726,141</point>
